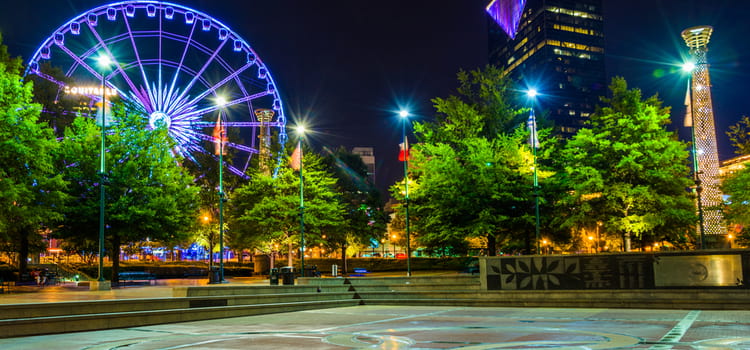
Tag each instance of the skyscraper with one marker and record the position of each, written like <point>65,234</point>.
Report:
<point>558,49</point>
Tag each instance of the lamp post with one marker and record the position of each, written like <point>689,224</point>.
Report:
<point>300,135</point>
<point>405,118</point>
<point>534,142</point>
<point>689,67</point>
<point>221,102</point>
<point>104,63</point>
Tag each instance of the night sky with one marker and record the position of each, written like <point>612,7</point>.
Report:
<point>346,66</point>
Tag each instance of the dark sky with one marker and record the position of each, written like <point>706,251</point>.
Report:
<point>347,66</point>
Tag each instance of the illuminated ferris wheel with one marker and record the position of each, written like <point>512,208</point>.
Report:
<point>180,67</point>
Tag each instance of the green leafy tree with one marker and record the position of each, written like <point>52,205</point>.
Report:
<point>32,192</point>
<point>739,135</point>
<point>148,195</point>
<point>472,168</point>
<point>737,184</point>
<point>628,171</point>
<point>266,209</point>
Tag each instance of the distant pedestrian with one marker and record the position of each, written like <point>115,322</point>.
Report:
<point>36,274</point>
<point>43,276</point>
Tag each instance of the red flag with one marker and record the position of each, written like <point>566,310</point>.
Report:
<point>220,137</point>
<point>296,161</point>
<point>403,153</point>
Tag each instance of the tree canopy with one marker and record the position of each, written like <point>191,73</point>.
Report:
<point>266,210</point>
<point>148,196</point>
<point>472,169</point>
<point>628,171</point>
<point>32,191</point>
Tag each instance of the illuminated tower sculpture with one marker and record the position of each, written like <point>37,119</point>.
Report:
<point>701,119</point>
<point>264,116</point>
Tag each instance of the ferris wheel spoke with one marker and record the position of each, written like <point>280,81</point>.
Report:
<point>81,62</point>
<point>203,69</point>
<point>215,108</point>
<point>107,51</point>
<point>182,59</point>
<point>221,83</point>
<point>137,57</point>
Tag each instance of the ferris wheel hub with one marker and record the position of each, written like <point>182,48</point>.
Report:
<point>159,120</point>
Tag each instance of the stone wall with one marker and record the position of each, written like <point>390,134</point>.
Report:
<point>694,269</point>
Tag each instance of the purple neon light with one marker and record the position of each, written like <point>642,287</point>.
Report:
<point>507,14</point>
<point>187,94</point>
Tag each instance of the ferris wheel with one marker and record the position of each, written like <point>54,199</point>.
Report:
<point>180,67</point>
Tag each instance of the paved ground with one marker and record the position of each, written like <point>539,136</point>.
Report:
<point>399,327</point>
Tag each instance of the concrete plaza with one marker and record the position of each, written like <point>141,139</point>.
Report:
<point>399,327</point>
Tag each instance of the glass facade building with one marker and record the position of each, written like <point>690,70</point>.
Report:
<point>559,50</point>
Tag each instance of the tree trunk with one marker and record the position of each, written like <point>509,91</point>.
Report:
<point>343,259</point>
<point>626,241</point>
<point>23,254</point>
<point>289,258</point>
<point>115,256</point>
<point>491,243</point>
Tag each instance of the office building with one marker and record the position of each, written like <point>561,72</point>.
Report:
<point>557,49</point>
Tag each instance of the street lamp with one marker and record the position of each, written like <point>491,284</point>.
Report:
<point>104,62</point>
<point>534,143</point>
<point>300,134</point>
<point>689,67</point>
<point>221,102</point>
<point>404,114</point>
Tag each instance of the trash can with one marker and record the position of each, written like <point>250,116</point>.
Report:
<point>287,275</point>
<point>273,277</point>
<point>214,275</point>
<point>334,270</point>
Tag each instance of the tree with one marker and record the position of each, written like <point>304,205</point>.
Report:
<point>266,209</point>
<point>32,192</point>
<point>148,195</point>
<point>472,168</point>
<point>739,135</point>
<point>628,171</point>
<point>737,184</point>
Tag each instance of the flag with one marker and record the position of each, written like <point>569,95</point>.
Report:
<point>531,123</point>
<point>688,108</point>
<point>296,161</point>
<point>403,153</point>
<point>220,137</point>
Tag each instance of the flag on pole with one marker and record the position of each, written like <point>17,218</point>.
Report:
<point>296,161</point>
<point>688,108</point>
<point>220,137</point>
<point>403,153</point>
<point>531,123</point>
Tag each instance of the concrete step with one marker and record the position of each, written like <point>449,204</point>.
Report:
<point>646,299</point>
<point>191,291</point>
<point>93,307</point>
<point>86,322</point>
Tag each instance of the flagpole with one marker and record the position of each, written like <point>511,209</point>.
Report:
<point>300,134</point>
<point>405,116</point>
<point>221,202</point>
<point>534,142</point>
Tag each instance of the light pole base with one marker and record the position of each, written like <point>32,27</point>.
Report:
<point>100,285</point>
